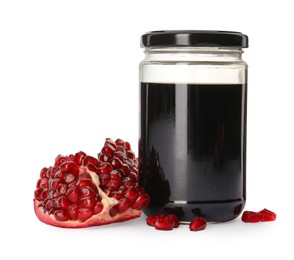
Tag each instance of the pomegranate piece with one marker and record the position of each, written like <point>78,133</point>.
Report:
<point>82,191</point>
<point>197,224</point>
<point>162,222</point>
<point>261,216</point>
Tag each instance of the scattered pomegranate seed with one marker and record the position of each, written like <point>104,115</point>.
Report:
<point>261,216</point>
<point>267,215</point>
<point>163,222</point>
<point>198,224</point>
<point>250,217</point>
<point>152,220</point>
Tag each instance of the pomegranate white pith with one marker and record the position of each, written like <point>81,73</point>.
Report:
<point>82,191</point>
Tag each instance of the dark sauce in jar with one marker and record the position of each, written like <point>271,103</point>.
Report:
<point>192,149</point>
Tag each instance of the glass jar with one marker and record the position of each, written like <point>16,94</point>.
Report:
<point>192,146</point>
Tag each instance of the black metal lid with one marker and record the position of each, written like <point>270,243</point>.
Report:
<point>199,38</point>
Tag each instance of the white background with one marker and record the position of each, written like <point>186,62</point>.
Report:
<point>69,79</point>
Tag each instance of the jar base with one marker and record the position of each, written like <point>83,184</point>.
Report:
<point>214,212</point>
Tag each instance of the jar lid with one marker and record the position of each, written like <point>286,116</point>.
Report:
<point>197,38</point>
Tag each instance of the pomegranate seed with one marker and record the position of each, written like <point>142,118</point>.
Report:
<point>141,202</point>
<point>132,194</point>
<point>113,211</point>
<point>79,157</point>
<point>48,204</point>
<point>91,160</point>
<point>84,213</point>
<point>87,191</point>
<point>43,172</point>
<point>105,168</point>
<point>83,183</point>
<point>113,184</point>
<point>152,219</point>
<point>131,155</point>
<point>98,208</point>
<point>116,163</point>
<point>251,217</point>
<point>72,194</point>
<point>164,223</point>
<point>62,188</point>
<point>267,215</point>
<point>119,142</point>
<point>59,174</point>
<point>133,177</point>
<point>38,194</point>
<point>59,160</point>
<point>116,175</point>
<point>104,178</point>
<point>110,142</point>
<point>62,202</point>
<point>88,202</point>
<point>116,195</point>
<point>68,178</point>
<point>73,211</point>
<point>123,205</point>
<point>119,155</point>
<point>44,183</point>
<point>126,169</point>
<point>61,215</point>
<point>108,149</point>
<point>69,167</point>
<point>54,183</point>
<point>198,224</point>
<point>104,157</point>
<point>175,219</point>
<point>127,146</point>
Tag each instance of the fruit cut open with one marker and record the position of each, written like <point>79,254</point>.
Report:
<point>82,191</point>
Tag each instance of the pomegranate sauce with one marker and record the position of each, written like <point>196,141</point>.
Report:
<point>192,159</point>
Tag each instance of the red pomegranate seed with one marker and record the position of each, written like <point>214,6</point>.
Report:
<point>141,202</point>
<point>116,175</point>
<point>165,223</point>
<point>132,194</point>
<point>108,149</point>
<point>72,194</point>
<point>152,219</point>
<point>61,215</point>
<point>91,160</point>
<point>79,157</point>
<point>267,215</point>
<point>104,179</point>
<point>60,159</point>
<point>105,168</point>
<point>69,167</point>
<point>84,213</point>
<point>198,224</point>
<point>251,217</point>
<point>175,219</point>
<point>43,172</point>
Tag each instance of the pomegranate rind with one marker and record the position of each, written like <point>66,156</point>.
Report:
<point>103,218</point>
